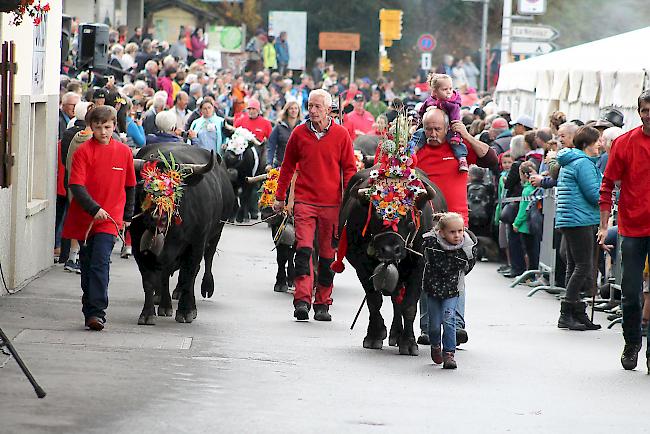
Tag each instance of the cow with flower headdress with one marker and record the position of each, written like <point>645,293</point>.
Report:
<point>183,198</point>
<point>385,211</point>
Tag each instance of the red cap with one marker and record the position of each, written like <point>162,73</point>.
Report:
<point>253,103</point>
<point>500,123</point>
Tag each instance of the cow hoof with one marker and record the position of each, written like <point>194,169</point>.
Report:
<point>176,294</point>
<point>185,316</point>
<point>147,320</point>
<point>206,292</point>
<point>280,287</point>
<point>409,349</point>
<point>393,338</point>
<point>373,343</point>
<point>165,311</point>
<point>156,299</point>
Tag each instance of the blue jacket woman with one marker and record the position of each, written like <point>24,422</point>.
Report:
<point>577,189</point>
<point>577,217</point>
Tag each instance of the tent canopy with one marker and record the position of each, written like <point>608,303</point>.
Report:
<point>579,80</point>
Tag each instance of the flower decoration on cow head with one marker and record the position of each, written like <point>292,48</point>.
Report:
<point>240,140</point>
<point>163,190</point>
<point>269,188</point>
<point>395,186</point>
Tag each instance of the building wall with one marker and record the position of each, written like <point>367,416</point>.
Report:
<point>84,10</point>
<point>27,208</point>
<point>167,23</point>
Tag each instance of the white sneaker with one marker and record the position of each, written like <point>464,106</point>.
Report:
<point>126,252</point>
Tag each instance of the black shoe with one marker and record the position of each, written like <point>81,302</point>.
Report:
<point>423,339</point>
<point>580,314</point>
<point>301,311</point>
<point>630,356</point>
<point>567,318</point>
<point>511,273</point>
<point>448,360</point>
<point>321,312</point>
<point>461,336</point>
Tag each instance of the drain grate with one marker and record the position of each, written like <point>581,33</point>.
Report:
<point>105,340</point>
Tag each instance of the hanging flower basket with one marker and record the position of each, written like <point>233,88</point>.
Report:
<point>35,9</point>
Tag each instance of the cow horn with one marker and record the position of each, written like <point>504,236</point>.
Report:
<point>363,191</point>
<point>254,179</point>
<point>200,169</point>
<point>430,191</point>
<point>138,163</point>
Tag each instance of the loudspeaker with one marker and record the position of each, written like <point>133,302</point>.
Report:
<point>66,31</point>
<point>93,47</point>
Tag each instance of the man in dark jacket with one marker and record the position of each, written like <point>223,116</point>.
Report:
<point>66,112</point>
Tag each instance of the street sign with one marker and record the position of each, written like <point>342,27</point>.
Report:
<point>539,33</point>
<point>531,7</point>
<point>427,42</point>
<point>531,47</point>
<point>425,61</point>
<point>339,41</point>
<point>390,23</point>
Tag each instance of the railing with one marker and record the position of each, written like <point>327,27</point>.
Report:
<point>7,76</point>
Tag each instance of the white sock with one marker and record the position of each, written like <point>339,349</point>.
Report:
<point>73,255</point>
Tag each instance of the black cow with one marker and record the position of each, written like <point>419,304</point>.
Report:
<point>251,162</point>
<point>208,200</point>
<point>381,246</point>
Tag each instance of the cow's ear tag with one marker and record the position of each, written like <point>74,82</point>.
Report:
<point>371,250</point>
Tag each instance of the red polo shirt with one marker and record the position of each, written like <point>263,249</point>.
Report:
<point>260,127</point>
<point>628,163</point>
<point>440,165</point>
<point>354,121</point>
<point>105,171</point>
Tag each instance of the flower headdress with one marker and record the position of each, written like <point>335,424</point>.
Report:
<point>395,186</point>
<point>239,140</point>
<point>269,188</point>
<point>164,190</point>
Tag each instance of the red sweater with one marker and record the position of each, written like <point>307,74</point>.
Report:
<point>322,161</point>
<point>260,127</point>
<point>628,163</point>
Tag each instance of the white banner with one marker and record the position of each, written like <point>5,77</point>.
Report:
<point>295,24</point>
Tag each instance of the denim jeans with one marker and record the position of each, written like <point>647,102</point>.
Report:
<point>424,312</point>
<point>634,251</point>
<point>94,259</point>
<point>516,250</point>
<point>442,311</point>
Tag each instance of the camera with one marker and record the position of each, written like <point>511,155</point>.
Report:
<point>138,114</point>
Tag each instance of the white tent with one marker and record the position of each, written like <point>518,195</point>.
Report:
<point>580,80</point>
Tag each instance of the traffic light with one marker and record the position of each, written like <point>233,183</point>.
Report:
<point>386,64</point>
<point>390,23</point>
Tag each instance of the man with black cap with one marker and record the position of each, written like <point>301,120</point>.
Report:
<point>99,97</point>
<point>358,121</point>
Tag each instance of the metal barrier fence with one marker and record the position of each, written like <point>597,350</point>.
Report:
<point>547,252</point>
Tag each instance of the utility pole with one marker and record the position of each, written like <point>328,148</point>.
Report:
<point>484,28</point>
<point>505,32</point>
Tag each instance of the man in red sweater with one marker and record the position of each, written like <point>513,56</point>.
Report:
<point>628,167</point>
<point>323,152</point>
<point>436,159</point>
<point>252,121</point>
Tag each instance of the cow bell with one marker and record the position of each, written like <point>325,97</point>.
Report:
<point>384,278</point>
<point>152,243</point>
<point>288,235</point>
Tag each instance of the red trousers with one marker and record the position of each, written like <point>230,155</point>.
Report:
<point>309,221</point>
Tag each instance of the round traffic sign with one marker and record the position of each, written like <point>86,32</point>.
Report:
<point>427,42</point>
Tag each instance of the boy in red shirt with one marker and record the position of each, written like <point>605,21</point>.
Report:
<point>102,182</point>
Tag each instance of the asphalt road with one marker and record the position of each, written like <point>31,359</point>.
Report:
<point>245,365</point>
